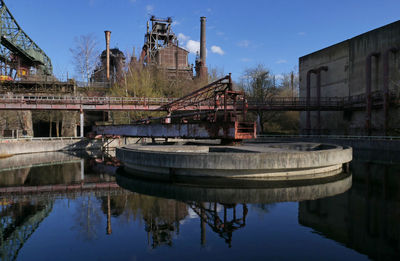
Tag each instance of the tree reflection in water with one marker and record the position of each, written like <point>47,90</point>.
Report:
<point>88,217</point>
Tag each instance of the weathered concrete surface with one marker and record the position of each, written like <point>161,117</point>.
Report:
<point>257,192</point>
<point>200,131</point>
<point>36,159</point>
<point>21,146</point>
<point>346,76</point>
<point>362,144</point>
<point>69,120</point>
<point>33,146</point>
<point>16,120</point>
<point>266,161</point>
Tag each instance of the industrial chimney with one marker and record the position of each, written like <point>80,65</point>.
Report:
<point>108,34</point>
<point>203,49</point>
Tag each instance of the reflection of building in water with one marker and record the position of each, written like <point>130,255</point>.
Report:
<point>18,221</point>
<point>162,220</point>
<point>366,218</point>
<point>224,226</point>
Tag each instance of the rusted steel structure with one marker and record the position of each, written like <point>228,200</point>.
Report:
<point>107,35</point>
<point>219,121</point>
<point>51,102</point>
<point>161,49</point>
<point>111,67</point>
<point>38,87</point>
<point>20,56</point>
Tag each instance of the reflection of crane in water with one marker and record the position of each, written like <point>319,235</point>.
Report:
<point>17,223</point>
<point>225,226</point>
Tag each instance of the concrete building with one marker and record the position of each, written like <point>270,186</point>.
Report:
<point>349,69</point>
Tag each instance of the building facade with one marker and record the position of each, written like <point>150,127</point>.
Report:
<point>365,67</point>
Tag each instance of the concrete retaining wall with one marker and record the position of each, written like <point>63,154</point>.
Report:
<point>359,144</point>
<point>12,147</point>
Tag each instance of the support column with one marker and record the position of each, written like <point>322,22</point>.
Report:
<point>386,57</point>
<point>319,71</point>
<point>368,94</point>
<point>82,123</point>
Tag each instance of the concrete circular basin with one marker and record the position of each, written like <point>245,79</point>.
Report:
<point>272,161</point>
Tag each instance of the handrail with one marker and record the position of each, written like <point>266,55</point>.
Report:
<point>5,139</point>
<point>347,137</point>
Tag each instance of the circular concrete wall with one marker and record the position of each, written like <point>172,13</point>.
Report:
<point>268,161</point>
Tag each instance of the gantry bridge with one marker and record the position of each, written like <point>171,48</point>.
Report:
<point>62,102</point>
<point>215,110</point>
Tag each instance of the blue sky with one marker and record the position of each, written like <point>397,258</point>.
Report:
<point>240,34</point>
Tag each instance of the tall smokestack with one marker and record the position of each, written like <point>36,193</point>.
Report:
<point>203,49</point>
<point>108,34</point>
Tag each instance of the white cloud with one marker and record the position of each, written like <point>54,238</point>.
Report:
<point>183,38</point>
<point>132,1</point>
<point>301,33</point>
<point>176,22</point>
<point>220,33</point>
<point>149,8</point>
<point>209,10</point>
<point>193,46</point>
<point>281,61</point>
<point>244,43</point>
<point>217,50</point>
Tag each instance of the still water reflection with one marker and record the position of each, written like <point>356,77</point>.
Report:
<point>64,207</point>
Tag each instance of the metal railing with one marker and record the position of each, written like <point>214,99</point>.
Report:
<point>346,137</point>
<point>28,138</point>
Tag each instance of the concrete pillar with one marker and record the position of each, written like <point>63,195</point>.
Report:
<point>82,123</point>
<point>82,169</point>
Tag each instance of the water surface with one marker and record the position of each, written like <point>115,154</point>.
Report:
<point>82,210</point>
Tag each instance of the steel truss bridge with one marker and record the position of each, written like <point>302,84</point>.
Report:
<point>215,110</point>
<point>18,52</point>
<point>62,102</point>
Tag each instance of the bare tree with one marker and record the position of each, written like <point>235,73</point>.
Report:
<point>85,55</point>
<point>259,84</point>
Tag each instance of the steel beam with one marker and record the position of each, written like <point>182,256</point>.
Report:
<point>231,131</point>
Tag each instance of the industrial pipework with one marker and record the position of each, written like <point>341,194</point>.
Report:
<point>368,94</point>
<point>308,97</point>
<point>386,57</point>
<point>108,35</point>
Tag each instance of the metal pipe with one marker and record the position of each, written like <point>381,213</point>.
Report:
<point>319,70</point>
<point>368,94</point>
<point>108,35</point>
<point>308,99</point>
<point>386,57</point>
